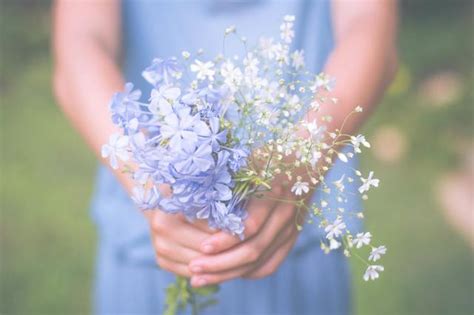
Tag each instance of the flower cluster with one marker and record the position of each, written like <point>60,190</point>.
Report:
<point>219,131</point>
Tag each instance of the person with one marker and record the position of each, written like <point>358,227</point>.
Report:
<point>275,270</point>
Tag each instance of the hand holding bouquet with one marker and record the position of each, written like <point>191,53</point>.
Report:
<point>219,133</point>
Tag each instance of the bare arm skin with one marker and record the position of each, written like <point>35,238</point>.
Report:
<point>363,63</point>
<point>86,45</point>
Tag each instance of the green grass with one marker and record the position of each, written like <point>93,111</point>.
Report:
<point>48,240</point>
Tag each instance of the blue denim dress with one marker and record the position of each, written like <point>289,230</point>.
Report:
<point>128,280</point>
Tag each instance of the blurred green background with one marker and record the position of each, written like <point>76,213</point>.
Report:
<point>422,131</point>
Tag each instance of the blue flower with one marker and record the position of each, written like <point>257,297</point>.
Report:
<point>238,158</point>
<point>162,71</point>
<point>179,129</point>
<point>124,105</point>
<point>146,200</point>
<point>216,138</point>
<point>194,159</point>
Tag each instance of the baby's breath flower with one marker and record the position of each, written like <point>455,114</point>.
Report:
<point>335,229</point>
<point>377,252</point>
<point>372,272</point>
<point>367,182</point>
<point>203,69</point>
<point>334,244</point>
<point>300,188</point>
<point>230,29</point>
<point>297,59</point>
<point>186,54</point>
<point>287,32</point>
<point>362,239</point>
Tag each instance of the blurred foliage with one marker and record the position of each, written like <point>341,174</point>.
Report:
<point>47,239</point>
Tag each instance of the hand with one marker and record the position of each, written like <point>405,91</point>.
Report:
<point>270,233</point>
<point>175,240</point>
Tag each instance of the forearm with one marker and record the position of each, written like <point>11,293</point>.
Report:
<point>86,75</point>
<point>363,63</point>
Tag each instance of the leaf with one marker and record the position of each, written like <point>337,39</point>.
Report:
<point>171,300</point>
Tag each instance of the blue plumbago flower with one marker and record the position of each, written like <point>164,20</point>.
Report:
<point>180,129</point>
<point>219,180</point>
<point>161,99</point>
<point>238,158</point>
<point>194,159</point>
<point>146,200</point>
<point>212,133</point>
<point>116,149</point>
<point>162,71</point>
<point>124,105</point>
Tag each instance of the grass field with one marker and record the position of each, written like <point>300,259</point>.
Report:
<point>47,238</point>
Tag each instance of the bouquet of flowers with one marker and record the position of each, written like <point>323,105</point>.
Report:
<point>218,132</point>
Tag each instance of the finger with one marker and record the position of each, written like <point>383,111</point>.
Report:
<point>173,267</point>
<point>274,261</point>
<point>203,225</point>
<point>190,236</point>
<point>172,251</point>
<point>249,251</point>
<point>198,280</point>
<point>219,242</point>
<point>175,227</point>
<point>259,211</point>
<point>215,278</point>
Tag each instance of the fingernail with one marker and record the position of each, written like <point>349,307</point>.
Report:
<point>198,282</point>
<point>207,248</point>
<point>196,268</point>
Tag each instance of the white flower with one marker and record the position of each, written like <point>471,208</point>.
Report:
<point>377,252</point>
<point>358,109</point>
<point>186,54</point>
<point>230,29</point>
<point>162,99</point>
<point>297,59</point>
<point>315,156</point>
<point>340,183</point>
<point>286,32</point>
<point>232,75</point>
<point>203,69</point>
<point>362,239</point>
<point>116,148</point>
<point>367,182</point>
<point>372,272</point>
<point>335,229</point>
<point>251,64</point>
<point>342,157</point>
<point>333,244</point>
<point>323,81</point>
<point>267,48</point>
<point>357,141</point>
<point>299,188</point>
<point>289,18</point>
<point>281,53</point>
<point>316,132</point>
